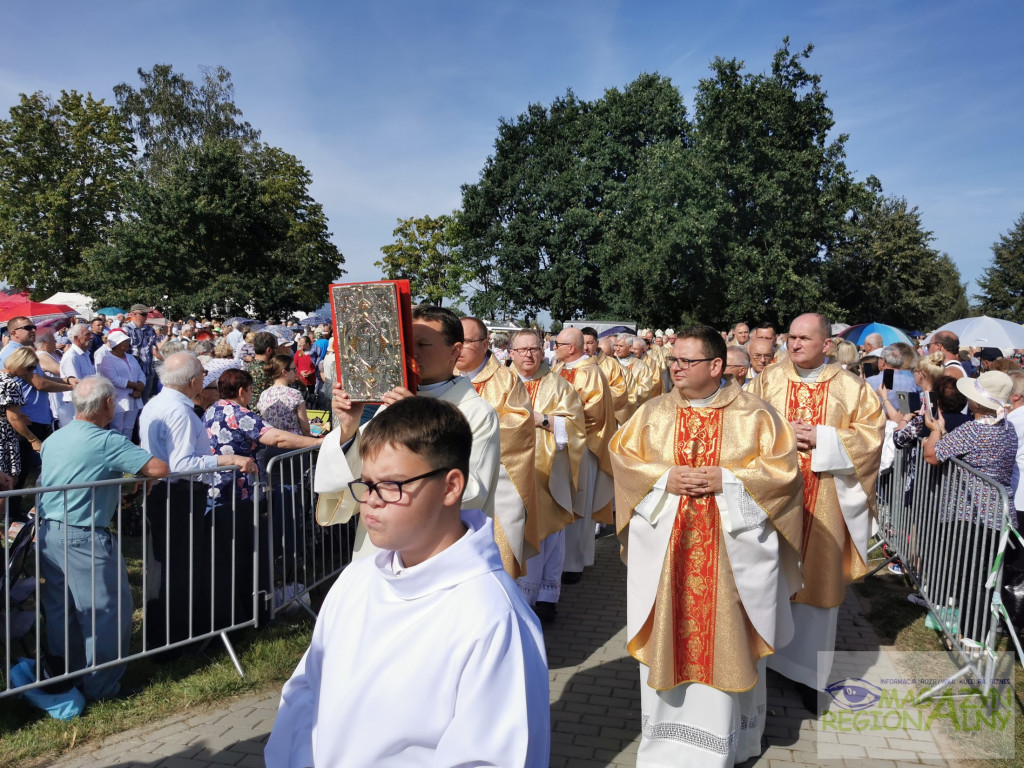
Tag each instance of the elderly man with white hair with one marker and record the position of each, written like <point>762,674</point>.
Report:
<point>85,585</point>
<point>75,365</point>
<point>171,431</point>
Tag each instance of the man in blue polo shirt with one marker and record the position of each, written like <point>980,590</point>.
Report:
<point>80,558</point>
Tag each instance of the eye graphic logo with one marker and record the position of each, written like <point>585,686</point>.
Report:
<point>854,694</point>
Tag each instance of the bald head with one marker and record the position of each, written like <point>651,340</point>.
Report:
<point>872,342</point>
<point>569,345</point>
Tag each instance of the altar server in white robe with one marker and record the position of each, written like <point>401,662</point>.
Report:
<point>426,654</point>
<point>437,342</point>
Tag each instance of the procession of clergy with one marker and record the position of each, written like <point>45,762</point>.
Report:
<point>743,508</point>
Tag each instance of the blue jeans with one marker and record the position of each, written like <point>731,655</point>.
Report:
<point>94,581</point>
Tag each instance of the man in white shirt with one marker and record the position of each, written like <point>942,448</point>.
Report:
<point>446,654</point>
<point>171,431</point>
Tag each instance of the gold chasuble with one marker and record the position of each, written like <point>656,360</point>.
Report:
<point>837,399</point>
<point>643,376</point>
<point>620,381</point>
<point>696,627</point>
<point>598,415</point>
<point>551,395</point>
<point>501,388</point>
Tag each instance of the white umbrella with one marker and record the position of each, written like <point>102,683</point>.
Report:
<point>80,303</point>
<point>987,331</point>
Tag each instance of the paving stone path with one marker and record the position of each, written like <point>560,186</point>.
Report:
<point>595,711</point>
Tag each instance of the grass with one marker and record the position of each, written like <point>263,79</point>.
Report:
<point>29,738</point>
<point>900,625</point>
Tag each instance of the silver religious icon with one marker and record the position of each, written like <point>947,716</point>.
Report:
<point>368,334</point>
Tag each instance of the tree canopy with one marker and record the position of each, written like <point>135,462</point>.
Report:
<point>626,206</point>
<point>194,214</point>
<point>427,252</point>
<point>1002,285</point>
<point>62,167</point>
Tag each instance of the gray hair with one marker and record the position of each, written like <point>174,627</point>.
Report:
<point>179,369</point>
<point>91,394</point>
<point>170,347</point>
<point>625,338</point>
<point>1018,382</point>
<point>892,356</point>
<point>737,352</point>
<point>77,330</point>
<point>203,347</point>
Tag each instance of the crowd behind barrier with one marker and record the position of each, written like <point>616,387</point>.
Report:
<point>949,526</point>
<point>195,573</point>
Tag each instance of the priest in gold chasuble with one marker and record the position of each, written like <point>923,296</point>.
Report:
<point>708,509</point>
<point>593,500</point>
<point>560,441</point>
<point>515,497</point>
<point>839,425</point>
<point>619,379</point>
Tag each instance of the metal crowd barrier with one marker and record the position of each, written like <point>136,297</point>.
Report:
<point>949,525</point>
<point>302,554</point>
<point>199,571</point>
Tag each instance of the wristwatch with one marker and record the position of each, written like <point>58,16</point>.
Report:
<point>544,422</point>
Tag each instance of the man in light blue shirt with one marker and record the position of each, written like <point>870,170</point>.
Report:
<point>79,557</point>
<point>170,430</point>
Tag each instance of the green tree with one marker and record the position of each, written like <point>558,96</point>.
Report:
<point>777,188</point>
<point>428,253</point>
<point>1002,285</point>
<point>167,113</point>
<point>541,221</point>
<point>220,228</point>
<point>62,165</point>
<point>885,269</point>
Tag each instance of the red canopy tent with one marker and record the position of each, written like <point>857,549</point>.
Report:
<point>36,310</point>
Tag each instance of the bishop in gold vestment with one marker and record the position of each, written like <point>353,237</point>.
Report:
<point>515,496</point>
<point>710,571</point>
<point>560,440</point>
<point>843,418</point>
<point>593,500</point>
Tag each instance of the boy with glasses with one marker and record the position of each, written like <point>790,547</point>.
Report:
<point>430,637</point>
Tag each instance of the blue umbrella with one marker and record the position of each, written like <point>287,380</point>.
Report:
<point>110,311</point>
<point>317,318</point>
<point>890,334</point>
<point>243,320</point>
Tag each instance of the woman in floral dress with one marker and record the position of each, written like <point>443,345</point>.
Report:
<point>236,430</point>
<point>281,404</point>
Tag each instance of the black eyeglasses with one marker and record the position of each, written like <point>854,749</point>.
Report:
<point>686,363</point>
<point>528,351</point>
<point>389,491</point>
<point>563,344</point>
<point>23,328</point>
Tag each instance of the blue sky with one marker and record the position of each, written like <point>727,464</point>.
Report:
<point>393,105</point>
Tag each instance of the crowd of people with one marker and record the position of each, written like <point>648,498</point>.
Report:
<point>738,470</point>
<point>97,399</point>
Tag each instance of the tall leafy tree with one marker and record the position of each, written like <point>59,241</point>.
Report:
<point>428,253</point>
<point>777,185</point>
<point>885,269</point>
<point>540,222</point>
<point>62,166</point>
<point>220,228</point>
<point>167,112</point>
<point>1002,285</point>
